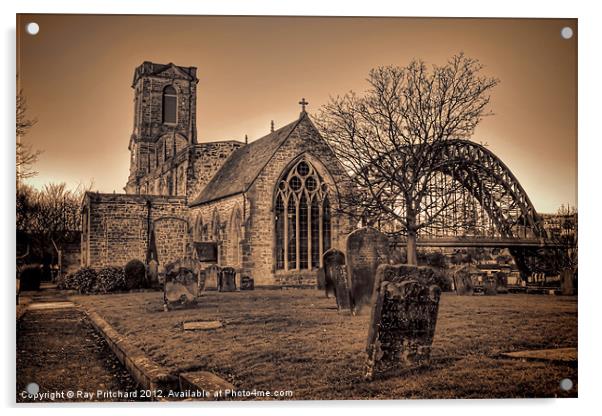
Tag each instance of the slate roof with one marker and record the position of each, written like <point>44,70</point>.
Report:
<point>241,168</point>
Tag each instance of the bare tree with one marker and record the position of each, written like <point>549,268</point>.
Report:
<point>392,140</point>
<point>26,156</point>
<point>47,217</point>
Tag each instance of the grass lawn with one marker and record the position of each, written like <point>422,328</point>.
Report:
<point>296,340</point>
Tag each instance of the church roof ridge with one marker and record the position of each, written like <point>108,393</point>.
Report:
<point>219,141</point>
<point>242,167</point>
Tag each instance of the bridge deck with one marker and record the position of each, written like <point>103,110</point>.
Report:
<point>482,242</point>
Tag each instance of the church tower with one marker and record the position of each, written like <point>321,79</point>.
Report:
<point>164,125</point>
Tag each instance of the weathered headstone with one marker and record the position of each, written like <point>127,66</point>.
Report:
<point>502,282</point>
<point>182,285</point>
<point>201,325</point>
<point>212,277</point>
<point>463,282</point>
<point>490,286</point>
<point>403,319</point>
<point>325,283</point>
<point>246,282</point>
<point>228,280</point>
<point>366,249</point>
<point>153,273</point>
<point>567,282</point>
<point>335,272</point>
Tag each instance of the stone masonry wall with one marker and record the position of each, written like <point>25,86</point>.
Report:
<point>115,228</point>
<point>257,237</point>
<point>214,222</point>
<point>150,131</point>
<point>259,250</point>
<point>209,157</point>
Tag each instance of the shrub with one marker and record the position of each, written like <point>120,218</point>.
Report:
<point>30,276</point>
<point>442,279</point>
<point>436,260</point>
<point>110,279</point>
<point>65,281</point>
<point>82,280</point>
<point>135,275</point>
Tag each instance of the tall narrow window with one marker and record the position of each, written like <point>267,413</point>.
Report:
<point>326,224</point>
<point>170,105</point>
<point>292,233</point>
<point>315,233</point>
<point>304,235</point>
<point>280,217</point>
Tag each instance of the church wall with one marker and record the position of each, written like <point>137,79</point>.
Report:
<point>260,237</point>
<point>209,157</point>
<point>115,228</point>
<point>258,241</point>
<point>213,222</point>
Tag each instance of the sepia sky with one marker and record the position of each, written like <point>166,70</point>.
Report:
<point>77,72</point>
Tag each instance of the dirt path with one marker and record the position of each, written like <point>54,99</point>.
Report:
<point>58,349</point>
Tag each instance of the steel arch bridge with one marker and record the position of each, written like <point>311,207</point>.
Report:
<point>490,209</point>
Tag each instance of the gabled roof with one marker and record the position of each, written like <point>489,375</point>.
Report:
<point>242,167</point>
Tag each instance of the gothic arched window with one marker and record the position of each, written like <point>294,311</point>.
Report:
<point>198,229</point>
<point>170,105</point>
<point>302,218</point>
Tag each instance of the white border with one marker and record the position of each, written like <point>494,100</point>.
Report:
<point>590,93</point>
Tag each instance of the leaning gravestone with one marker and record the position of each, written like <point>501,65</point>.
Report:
<point>182,284</point>
<point>366,249</point>
<point>228,280</point>
<point>463,281</point>
<point>403,319</point>
<point>335,272</point>
<point>213,276</point>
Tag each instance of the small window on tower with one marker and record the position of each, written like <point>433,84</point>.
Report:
<point>170,104</point>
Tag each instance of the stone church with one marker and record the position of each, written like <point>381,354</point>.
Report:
<point>270,204</point>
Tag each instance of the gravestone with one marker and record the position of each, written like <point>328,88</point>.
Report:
<point>366,249</point>
<point>490,286</point>
<point>182,285</point>
<point>153,273</point>
<point>567,282</point>
<point>325,283</point>
<point>335,272</point>
<point>246,282</point>
<point>227,280</point>
<point>201,325</point>
<point>212,274</point>
<point>403,319</point>
<point>463,281</point>
<point>502,282</point>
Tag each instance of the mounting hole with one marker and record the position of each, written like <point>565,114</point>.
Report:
<point>566,32</point>
<point>33,388</point>
<point>566,384</point>
<point>32,28</point>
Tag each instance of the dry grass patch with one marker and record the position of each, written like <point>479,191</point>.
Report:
<point>296,340</point>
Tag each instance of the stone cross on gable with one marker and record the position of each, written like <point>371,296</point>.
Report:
<point>303,104</point>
